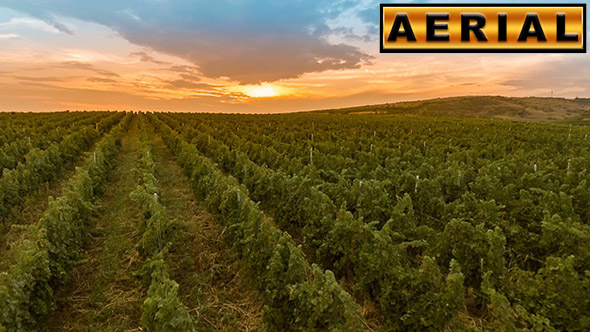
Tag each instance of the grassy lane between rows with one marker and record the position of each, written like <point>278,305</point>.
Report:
<point>298,296</point>
<point>105,295</point>
<point>107,292</point>
<point>45,260</point>
<point>213,282</point>
<point>15,228</point>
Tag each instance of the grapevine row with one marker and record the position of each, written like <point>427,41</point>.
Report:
<point>18,125</point>
<point>42,137</point>
<point>300,297</point>
<point>45,165</point>
<point>495,256</point>
<point>380,260</point>
<point>28,288</point>
<point>162,309</point>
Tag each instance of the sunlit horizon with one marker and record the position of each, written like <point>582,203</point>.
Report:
<point>189,57</point>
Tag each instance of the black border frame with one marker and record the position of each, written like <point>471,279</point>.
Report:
<point>479,50</point>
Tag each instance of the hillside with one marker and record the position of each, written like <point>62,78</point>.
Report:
<point>531,108</point>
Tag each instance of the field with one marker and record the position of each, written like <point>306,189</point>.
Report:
<point>345,220</point>
<point>529,109</point>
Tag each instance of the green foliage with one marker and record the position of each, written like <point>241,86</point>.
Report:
<point>40,166</point>
<point>391,200</point>
<point>300,297</point>
<point>321,304</point>
<point>44,261</point>
<point>162,309</point>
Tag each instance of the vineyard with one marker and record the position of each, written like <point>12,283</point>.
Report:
<point>328,221</point>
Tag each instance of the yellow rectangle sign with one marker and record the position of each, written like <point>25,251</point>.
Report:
<point>498,28</point>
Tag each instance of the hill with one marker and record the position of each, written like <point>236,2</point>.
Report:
<point>530,108</point>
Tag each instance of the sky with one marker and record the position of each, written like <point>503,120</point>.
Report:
<point>251,56</point>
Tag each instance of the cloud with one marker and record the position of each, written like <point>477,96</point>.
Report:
<point>184,69</point>
<point>40,79</point>
<point>246,41</point>
<point>191,77</point>
<point>101,80</point>
<point>184,84</point>
<point>28,22</point>
<point>563,74</point>
<point>142,56</point>
<point>86,66</point>
<point>8,36</point>
<point>369,15</point>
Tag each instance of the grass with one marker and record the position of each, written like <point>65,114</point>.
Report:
<point>107,292</point>
<point>509,108</point>
<point>213,283</point>
<point>105,295</point>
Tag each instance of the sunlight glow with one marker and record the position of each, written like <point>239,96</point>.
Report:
<point>264,90</point>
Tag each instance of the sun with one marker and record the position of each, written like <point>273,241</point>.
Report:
<point>262,90</point>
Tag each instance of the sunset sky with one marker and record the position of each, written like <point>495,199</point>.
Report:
<point>241,56</point>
